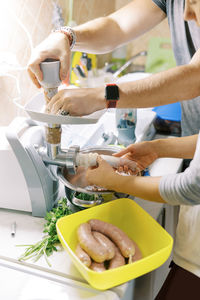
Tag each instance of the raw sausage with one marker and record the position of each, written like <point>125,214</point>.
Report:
<point>88,243</point>
<point>117,261</point>
<point>98,267</point>
<point>103,240</point>
<point>83,256</point>
<point>124,243</point>
<point>137,255</point>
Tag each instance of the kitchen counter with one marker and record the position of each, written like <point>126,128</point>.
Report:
<point>62,274</point>
<point>22,283</point>
<point>29,230</point>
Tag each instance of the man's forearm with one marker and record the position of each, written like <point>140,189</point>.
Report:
<point>177,84</point>
<point>104,34</point>
<point>97,36</point>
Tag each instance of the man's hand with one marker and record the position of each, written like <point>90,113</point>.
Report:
<point>142,153</point>
<point>55,46</point>
<point>78,102</point>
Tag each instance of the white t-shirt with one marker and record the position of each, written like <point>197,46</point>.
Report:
<point>184,189</point>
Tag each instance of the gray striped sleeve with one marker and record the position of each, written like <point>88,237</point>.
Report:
<point>183,188</point>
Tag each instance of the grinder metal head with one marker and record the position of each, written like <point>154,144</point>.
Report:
<point>78,182</point>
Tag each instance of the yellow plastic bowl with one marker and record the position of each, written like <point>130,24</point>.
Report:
<point>154,242</point>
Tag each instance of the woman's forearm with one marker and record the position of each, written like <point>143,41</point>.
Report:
<point>180,147</point>
<point>146,188</point>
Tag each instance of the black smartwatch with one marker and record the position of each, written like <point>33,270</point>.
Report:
<point>111,95</point>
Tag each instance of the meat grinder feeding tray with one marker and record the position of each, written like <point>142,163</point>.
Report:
<point>36,106</point>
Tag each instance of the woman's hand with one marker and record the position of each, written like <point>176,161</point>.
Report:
<point>78,102</point>
<point>103,176</point>
<point>55,46</point>
<point>144,154</point>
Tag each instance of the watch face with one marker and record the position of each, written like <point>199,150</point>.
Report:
<point>112,92</point>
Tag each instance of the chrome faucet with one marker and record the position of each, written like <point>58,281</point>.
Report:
<point>128,63</point>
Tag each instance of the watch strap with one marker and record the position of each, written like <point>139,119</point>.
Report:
<point>111,95</point>
<point>111,103</point>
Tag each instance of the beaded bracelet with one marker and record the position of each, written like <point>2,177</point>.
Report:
<point>69,32</point>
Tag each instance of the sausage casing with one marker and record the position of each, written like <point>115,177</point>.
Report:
<point>91,246</point>
<point>117,261</point>
<point>106,242</point>
<point>119,237</point>
<point>83,256</point>
<point>137,255</point>
<point>98,267</point>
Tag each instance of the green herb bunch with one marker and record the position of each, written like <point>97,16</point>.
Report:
<point>48,243</point>
<point>85,196</point>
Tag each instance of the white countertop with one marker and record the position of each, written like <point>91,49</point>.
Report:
<point>22,283</point>
<point>30,230</point>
